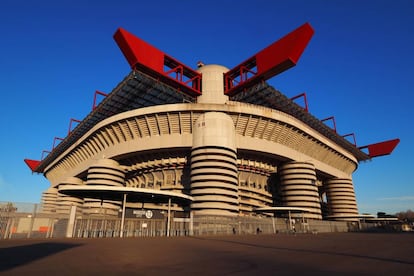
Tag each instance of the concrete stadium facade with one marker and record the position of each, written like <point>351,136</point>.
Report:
<point>231,154</point>
<point>223,154</point>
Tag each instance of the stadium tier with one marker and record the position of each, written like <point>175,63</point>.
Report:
<point>210,141</point>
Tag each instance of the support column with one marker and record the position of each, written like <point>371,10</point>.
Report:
<point>341,199</point>
<point>71,222</point>
<point>169,217</point>
<point>298,186</point>
<point>121,234</point>
<point>191,224</point>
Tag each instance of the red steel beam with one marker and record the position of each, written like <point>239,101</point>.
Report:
<point>43,153</point>
<point>381,148</point>
<point>271,61</point>
<point>95,98</point>
<point>304,99</point>
<point>54,141</point>
<point>70,124</point>
<point>146,58</point>
<point>32,164</point>
<point>353,136</point>
<point>332,118</point>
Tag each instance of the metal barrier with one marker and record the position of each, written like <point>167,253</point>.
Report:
<point>23,220</point>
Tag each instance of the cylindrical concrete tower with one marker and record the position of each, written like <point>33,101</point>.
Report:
<point>212,84</point>
<point>105,172</point>
<point>49,200</point>
<point>214,183</point>
<point>341,199</point>
<point>298,187</point>
<point>64,201</point>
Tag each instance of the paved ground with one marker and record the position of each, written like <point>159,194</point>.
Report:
<point>321,254</point>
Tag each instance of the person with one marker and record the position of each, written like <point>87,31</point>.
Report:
<point>258,231</point>
<point>234,231</point>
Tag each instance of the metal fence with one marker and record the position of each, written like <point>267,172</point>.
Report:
<point>25,220</point>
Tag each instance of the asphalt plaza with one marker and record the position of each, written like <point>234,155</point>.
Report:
<point>280,254</point>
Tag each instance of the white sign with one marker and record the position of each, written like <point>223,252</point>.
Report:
<point>148,214</point>
<point>141,213</point>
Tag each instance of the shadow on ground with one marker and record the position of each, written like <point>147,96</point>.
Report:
<point>11,257</point>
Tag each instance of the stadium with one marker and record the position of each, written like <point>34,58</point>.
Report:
<point>210,143</point>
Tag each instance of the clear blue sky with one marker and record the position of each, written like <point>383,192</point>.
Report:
<point>358,68</point>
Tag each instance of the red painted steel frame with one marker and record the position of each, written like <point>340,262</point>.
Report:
<point>43,154</point>
<point>32,164</point>
<point>332,118</point>
<point>54,141</point>
<point>148,59</point>
<point>381,148</point>
<point>70,124</point>
<point>275,59</point>
<point>94,98</point>
<point>304,98</point>
<point>353,136</point>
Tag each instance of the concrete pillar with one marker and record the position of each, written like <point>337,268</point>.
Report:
<point>214,184</point>
<point>212,84</point>
<point>341,199</point>
<point>71,222</point>
<point>298,187</point>
<point>214,181</point>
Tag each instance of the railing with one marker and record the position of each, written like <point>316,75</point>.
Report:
<point>25,220</point>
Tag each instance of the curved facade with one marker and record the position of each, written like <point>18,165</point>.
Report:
<point>224,137</point>
<point>232,157</point>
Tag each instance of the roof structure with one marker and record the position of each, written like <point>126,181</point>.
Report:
<point>139,90</point>
<point>149,84</point>
<point>141,195</point>
<point>265,95</point>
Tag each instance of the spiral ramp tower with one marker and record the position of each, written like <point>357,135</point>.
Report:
<point>341,199</point>
<point>214,176</point>
<point>105,172</point>
<point>65,202</point>
<point>49,200</point>
<point>298,188</point>
<point>214,183</point>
